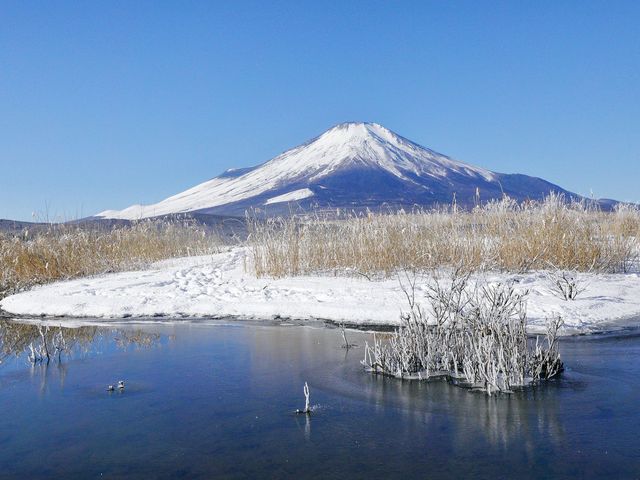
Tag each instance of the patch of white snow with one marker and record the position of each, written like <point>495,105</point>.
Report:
<point>219,286</point>
<point>291,196</point>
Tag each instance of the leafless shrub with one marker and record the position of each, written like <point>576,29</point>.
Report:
<point>546,361</point>
<point>51,344</point>
<point>565,285</point>
<point>475,336</point>
<point>43,344</point>
<point>36,340</point>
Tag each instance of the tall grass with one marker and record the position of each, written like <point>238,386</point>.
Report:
<point>501,235</point>
<point>64,252</point>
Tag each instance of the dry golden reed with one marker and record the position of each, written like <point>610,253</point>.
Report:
<point>64,252</point>
<point>501,235</point>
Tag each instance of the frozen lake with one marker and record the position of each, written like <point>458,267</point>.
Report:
<point>217,400</point>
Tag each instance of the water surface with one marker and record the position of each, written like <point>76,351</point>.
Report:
<point>206,401</point>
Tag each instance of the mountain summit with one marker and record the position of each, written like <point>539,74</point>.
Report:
<point>352,165</point>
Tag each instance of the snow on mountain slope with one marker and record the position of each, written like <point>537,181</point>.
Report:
<point>354,164</point>
<point>291,196</point>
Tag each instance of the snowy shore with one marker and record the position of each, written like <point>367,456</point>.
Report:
<point>222,286</point>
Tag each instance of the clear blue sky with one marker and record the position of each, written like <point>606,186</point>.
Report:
<point>105,104</point>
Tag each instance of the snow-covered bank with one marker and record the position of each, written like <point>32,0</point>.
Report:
<point>220,286</point>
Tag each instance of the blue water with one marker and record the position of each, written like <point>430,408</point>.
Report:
<point>207,401</point>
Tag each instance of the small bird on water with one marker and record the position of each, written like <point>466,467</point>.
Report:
<point>111,388</point>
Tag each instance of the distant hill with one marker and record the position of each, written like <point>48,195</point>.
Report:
<point>228,227</point>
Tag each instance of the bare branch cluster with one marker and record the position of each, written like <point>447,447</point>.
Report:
<point>50,344</point>
<point>565,285</point>
<point>475,336</point>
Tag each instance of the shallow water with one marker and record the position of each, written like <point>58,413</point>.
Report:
<point>206,401</point>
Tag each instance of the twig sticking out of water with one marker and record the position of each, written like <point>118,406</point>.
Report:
<point>307,407</point>
<point>346,343</point>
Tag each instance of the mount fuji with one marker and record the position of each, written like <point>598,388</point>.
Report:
<point>352,165</point>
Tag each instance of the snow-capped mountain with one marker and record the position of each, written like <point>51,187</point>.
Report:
<point>352,165</point>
